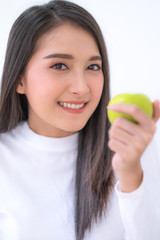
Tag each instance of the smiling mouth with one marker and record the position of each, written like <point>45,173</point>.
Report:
<point>72,105</point>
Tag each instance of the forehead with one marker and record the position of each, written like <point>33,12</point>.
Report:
<point>67,37</point>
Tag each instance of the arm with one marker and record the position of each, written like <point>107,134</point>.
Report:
<point>139,213</point>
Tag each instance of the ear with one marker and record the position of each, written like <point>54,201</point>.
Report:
<point>20,86</point>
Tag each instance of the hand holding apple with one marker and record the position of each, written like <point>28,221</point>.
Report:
<point>129,140</point>
<point>140,100</point>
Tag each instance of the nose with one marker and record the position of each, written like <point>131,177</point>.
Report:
<point>78,84</point>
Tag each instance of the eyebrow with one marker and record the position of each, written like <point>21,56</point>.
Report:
<point>68,56</point>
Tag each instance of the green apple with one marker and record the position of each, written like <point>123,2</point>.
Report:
<point>141,100</point>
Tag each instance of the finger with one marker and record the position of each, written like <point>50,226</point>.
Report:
<point>127,126</point>
<point>117,146</point>
<point>140,116</point>
<point>120,135</point>
<point>135,130</point>
<point>129,134</point>
<point>126,152</point>
<point>156,110</point>
<point>127,147</point>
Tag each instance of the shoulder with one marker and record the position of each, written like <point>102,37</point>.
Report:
<point>7,137</point>
<point>10,145</point>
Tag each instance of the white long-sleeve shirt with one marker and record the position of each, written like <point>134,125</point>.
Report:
<point>37,176</point>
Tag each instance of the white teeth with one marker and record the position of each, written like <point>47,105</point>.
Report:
<point>72,106</point>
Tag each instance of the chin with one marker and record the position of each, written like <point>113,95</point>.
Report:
<point>74,129</point>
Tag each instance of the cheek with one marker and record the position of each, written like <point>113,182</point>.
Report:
<point>39,85</point>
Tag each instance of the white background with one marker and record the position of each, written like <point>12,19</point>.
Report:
<point>131,29</point>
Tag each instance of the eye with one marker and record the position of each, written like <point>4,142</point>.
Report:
<point>94,67</point>
<point>59,66</point>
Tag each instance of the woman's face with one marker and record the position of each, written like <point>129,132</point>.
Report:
<point>63,81</point>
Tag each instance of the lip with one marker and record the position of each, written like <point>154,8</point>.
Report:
<point>74,102</point>
<point>70,110</point>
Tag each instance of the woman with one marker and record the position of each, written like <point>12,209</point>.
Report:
<point>57,180</point>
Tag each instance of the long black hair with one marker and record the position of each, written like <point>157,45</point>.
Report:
<point>94,175</point>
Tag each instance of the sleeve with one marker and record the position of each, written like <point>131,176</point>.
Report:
<point>140,209</point>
